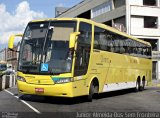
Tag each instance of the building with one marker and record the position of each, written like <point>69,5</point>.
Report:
<point>3,54</point>
<point>139,18</point>
<point>60,10</point>
<point>12,57</point>
<point>9,56</point>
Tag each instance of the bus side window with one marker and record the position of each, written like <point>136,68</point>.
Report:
<point>96,44</point>
<point>110,46</point>
<point>110,41</point>
<point>149,52</point>
<point>96,40</point>
<point>103,41</point>
<point>100,41</point>
<point>116,46</point>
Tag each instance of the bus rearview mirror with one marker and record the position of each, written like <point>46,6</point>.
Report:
<point>73,38</point>
<point>11,40</point>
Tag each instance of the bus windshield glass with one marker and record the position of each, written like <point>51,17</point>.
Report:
<point>45,48</point>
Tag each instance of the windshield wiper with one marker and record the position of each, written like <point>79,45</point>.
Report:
<point>58,73</point>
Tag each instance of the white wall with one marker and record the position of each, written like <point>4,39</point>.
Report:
<point>145,11</point>
<point>158,2</point>
<point>137,28</point>
<point>145,32</point>
<point>140,2</point>
<point>137,21</point>
<point>135,2</point>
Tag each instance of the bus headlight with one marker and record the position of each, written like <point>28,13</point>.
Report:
<point>62,80</point>
<point>21,79</point>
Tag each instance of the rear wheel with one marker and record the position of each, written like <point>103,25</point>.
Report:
<point>143,85</point>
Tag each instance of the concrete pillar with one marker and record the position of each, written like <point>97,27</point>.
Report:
<point>7,81</point>
<point>128,17</point>
<point>10,80</point>
<point>3,82</point>
<point>158,65</point>
<point>13,80</point>
<point>158,3</point>
<point>0,83</point>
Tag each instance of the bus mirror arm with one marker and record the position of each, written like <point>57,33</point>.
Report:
<point>11,40</point>
<point>73,39</point>
<point>13,50</point>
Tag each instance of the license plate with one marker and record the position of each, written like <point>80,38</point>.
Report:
<point>39,90</point>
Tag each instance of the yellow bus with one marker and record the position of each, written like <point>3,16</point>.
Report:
<point>70,57</point>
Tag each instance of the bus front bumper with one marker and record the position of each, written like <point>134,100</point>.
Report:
<point>59,90</point>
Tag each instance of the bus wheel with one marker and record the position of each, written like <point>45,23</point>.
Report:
<point>137,86</point>
<point>143,85</point>
<point>91,92</point>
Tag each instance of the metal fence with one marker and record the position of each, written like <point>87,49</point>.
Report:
<point>7,81</point>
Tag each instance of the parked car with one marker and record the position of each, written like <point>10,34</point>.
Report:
<point>3,68</point>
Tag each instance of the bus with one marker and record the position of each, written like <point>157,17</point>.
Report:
<point>71,57</point>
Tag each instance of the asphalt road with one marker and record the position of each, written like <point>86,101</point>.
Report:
<point>15,104</point>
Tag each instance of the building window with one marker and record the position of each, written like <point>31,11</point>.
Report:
<point>150,2</point>
<point>109,23</point>
<point>103,8</point>
<point>153,42</point>
<point>150,22</point>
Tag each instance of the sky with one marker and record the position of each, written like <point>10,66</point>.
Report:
<point>15,14</point>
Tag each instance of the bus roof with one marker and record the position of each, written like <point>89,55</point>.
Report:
<point>97,24</point>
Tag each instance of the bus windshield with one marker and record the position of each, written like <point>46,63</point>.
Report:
<point>45,47</point>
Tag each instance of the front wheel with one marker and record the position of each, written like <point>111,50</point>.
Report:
<point>137,86</point>
<point>91,93</point>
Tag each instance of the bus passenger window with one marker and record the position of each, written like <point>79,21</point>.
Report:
<point>110,46</point>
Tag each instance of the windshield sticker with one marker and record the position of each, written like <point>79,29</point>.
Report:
<point>44,67</point>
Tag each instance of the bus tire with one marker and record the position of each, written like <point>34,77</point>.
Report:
<point>138,87</point>
<point>91,92</point>
<point>143,85</point>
